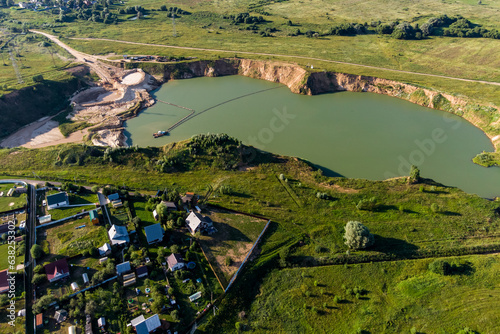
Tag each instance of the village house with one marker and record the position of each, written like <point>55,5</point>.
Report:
<point>57,270</point>
<point>4,283</point>
<point>175,262</point>
<point>170,205</point>
<point>57,200</point>
<point>123,268</point>
<point>142,272</point>
<point>104,250</point>
<point>39,321</point>
<point>115,200</point>
<point>197,223</point>
<point>118,235</point>
<point>146,326</point>
<point>60,316</point>
<point>4,228</point>
<point>188,198</point>
<point>154,233</point>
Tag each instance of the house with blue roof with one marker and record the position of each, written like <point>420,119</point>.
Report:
<point>154,233</point>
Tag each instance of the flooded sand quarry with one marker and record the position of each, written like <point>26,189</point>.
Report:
<point>358,135</point>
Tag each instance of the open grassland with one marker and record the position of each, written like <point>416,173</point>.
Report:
<point>393,297</point>
<point>32,59</point>
<point>456,57</point>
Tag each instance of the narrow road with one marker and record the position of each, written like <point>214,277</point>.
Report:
<point>89,60</point>
<point>29,263</point>
<point>287,56</point>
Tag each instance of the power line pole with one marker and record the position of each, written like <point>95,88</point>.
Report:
<point>173,24</point>
<point>16,68</point>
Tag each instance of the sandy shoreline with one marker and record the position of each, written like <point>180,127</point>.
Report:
<point>99,106</point>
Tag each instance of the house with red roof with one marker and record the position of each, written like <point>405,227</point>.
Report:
<point>57,270</point>
<point>4,284</point>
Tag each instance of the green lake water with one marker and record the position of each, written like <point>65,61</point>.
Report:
<point>357,135</point>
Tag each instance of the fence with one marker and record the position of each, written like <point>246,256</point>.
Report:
<point>64,219</point>
<point>248,256</point>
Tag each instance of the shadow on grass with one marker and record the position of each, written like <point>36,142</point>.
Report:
<point>450,213</point>
<point>385,208</point>
<point>393,246</point>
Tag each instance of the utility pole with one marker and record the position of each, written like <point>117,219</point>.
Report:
<point>173,24</point>
<point>16,68</point>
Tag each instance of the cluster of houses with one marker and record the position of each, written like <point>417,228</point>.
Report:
<point>119,236</point>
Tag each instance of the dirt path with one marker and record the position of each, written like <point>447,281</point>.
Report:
<point>91,61</point>
<point>287,56</point>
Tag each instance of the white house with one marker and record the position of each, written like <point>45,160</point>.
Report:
<point>104,249</point>
<point>175,262</point>
<point>118,235</point>
<point>197,222</point>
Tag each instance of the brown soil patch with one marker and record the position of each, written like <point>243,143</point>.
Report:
<point>339,189</point>
<point>237,259</point>
<point>78,71</point>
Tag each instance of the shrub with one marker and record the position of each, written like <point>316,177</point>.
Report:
<point>36,251</point>
<point>38,78</point>
<point>238,326</point>
<point>414,175</point>
<point>38,269</point>
<point>357,236</point>
<point>367,204</point>
<point>434,207</point>
<point>39,278</point>
<point>440,267</point>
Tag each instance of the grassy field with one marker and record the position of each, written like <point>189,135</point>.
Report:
<point>64,239</point>
<point>32,59</point>
<point>234,237</point>
<point>395,297</point>
<point>16,201</point>
<point>141,212</point>
<point>4,264</point>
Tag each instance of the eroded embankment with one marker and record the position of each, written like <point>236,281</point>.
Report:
<point>306,81</point>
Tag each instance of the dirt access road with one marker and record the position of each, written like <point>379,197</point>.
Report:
<point>90,61</point>
<point>287,56</point>
<point>100,69</point>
